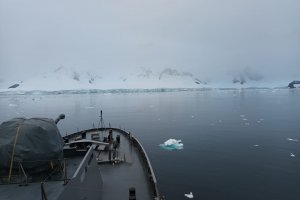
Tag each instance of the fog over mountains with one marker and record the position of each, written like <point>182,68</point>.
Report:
<point>65,78</point>
<point>158,43</point>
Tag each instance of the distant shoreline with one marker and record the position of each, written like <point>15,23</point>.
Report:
<point>117,91</point>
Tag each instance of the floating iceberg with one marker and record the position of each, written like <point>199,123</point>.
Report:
<point>293,140</point>
<point>292,155</point>
<point>190,195</point>
<point>89,107</point>
<point>172,144</point>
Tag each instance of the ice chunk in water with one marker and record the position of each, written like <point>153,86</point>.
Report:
<point>90,107</point>
<point>293,140</point>
<point>292,155</point>
<point>190,195</point>
<point>172,144</point>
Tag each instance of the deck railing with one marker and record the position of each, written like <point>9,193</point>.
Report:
<point>150,171</point>
<point>22,173</point>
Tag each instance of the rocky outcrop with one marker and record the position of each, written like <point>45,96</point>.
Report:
<point>14,86</point>
<point>239,79</point>
<point>76,76</point>
<point>176,73</point>
<point>173,72</point>
<point>292,84</point>
<point>198,81</point>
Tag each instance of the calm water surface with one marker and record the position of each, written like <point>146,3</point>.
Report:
<point>235,141</point>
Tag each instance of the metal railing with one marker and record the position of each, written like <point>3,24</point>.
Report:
<point>22,172</point>
<point>43,193</point>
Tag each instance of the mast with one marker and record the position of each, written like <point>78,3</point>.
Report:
<point>101,122</point>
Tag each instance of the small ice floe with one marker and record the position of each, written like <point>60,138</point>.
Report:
<point>89,107</point>
<point>256,145</point>
<point>36,99</point>
<point>192,116</point>
<point>220,121</point>
<point>261,119</point>
<point>258,121</point>
<point>212,124</point>
<point>245,119</point>
<point>292,155</point>
<point>247,124</point>
<point>172,144</point>
<point>12,105</point>
<point>291,139</point>
<point>243,116</point>
<point>190,195</point>
<point>158,119</point>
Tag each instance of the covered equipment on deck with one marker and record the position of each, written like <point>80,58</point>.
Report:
<point>34,143</point>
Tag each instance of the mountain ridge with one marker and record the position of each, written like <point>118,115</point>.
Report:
<point>63,78</point>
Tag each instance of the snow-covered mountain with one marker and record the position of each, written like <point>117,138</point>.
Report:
<point>63,78</point>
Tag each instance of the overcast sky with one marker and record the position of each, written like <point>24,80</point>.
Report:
<point>203,37</point>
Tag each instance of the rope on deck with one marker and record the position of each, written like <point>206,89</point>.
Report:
<point>13,154</point>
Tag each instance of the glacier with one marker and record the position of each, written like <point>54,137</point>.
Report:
<point>64,80</point>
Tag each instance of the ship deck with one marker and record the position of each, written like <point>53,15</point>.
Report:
<point>130,169</point>
<point>130,172</point>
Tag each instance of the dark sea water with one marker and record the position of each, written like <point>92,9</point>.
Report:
<point>236,144</point>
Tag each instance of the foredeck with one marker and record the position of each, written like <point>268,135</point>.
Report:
<point>118,178</point>
<point>130,168</point>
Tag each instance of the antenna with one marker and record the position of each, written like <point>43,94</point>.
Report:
<point>101,122</point>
